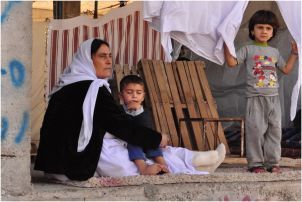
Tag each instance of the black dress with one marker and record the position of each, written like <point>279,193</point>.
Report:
<point>57,152</point>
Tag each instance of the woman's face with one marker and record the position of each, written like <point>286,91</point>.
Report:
<point>102,61</point>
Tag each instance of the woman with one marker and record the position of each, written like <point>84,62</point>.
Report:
<point>80,112</point>
<point>84,132</point>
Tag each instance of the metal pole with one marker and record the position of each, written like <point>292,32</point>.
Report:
<point>123,3</point>
<point>57,9</point>
<point>95,14</point>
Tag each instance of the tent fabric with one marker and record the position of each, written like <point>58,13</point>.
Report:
<point>291,12</point>
<point>194,25</point>
<point>203,26</point>
<point>129,36</point>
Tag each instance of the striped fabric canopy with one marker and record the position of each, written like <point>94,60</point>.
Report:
<point>128,35</point>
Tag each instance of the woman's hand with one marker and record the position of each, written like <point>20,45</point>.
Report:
<point>164,140</point>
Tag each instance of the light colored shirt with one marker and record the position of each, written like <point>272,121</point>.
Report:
<point>261,62</point>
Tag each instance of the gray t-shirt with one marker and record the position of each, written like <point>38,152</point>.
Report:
<point>261,64</point>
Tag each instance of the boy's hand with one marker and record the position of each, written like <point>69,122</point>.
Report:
<point>164,140</point>
<point>294,48</point>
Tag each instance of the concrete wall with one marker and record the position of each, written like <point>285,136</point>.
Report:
<point>16,51</point>
<point>226,184</point>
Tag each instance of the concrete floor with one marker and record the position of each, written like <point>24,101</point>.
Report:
<point>229,182</point>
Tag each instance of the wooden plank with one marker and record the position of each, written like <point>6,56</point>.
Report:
<point>160,121</point>
<point>211,104</point>
<point>147,101</point>
<point>184,135</point>
<point>190,104</point>
<point>118,75</point>
<point>164,94</point>
<point>126,69</point>
<point>163,117</point>
<point>284,162</point>
<point>289,162</point>
<point>134,70</point>
<point>210,125</point>
<point>151,93</point>
<point>165,79</point>
<point>202,105</point>
<point>157,91</point>
<point>190,80</point>
<point>207,91</point>
<point>178,83</point>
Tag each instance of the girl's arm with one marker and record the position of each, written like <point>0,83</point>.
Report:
<point>230,60</point>
<point>291,59</point>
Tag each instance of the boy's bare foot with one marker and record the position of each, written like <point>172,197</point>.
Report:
<point>164,169</point>
<point>153,169</point>
<point>161,161</point>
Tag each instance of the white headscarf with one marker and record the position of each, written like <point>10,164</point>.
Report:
<point>80,69</point>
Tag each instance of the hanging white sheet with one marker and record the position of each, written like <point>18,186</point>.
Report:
<point>291,13</point>
<point>202,26</point>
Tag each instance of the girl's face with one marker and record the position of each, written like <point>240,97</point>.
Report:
<point>133,95</point>
<point>102,61</point>
<point>262,32</point>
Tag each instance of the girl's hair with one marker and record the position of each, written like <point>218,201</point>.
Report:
<point>131,79</point>
<point>263,17</point>
<point>96,44</point>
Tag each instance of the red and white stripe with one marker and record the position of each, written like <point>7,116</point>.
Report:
<point>129,37</point>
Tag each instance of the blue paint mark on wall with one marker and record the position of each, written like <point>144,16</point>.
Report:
<point>17,72</point>
<point>24,126</point>
<point>7,9</point>
<point>3,72</point>
<point>4,127</point>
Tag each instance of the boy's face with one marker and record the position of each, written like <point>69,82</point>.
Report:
<point>262,32</point>
<point>133,95</point>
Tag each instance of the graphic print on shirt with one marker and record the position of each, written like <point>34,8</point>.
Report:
<point>264,72</point>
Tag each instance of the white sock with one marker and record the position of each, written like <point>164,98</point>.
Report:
<point>205,158</point>
<point>215,162</point>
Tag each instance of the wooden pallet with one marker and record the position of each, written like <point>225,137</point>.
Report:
<point>179,91</point>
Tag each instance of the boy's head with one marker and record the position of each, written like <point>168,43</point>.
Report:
<point>132,91</point>
<point>264,18</point>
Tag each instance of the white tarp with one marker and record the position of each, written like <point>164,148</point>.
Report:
<point>291,12</point>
